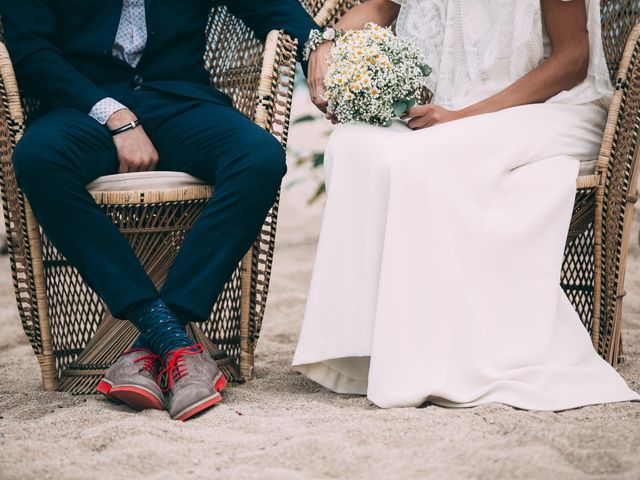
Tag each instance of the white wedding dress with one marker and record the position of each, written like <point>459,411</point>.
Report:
<point>438,267</point>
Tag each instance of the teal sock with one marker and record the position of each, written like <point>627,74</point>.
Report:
<point>159,327</point>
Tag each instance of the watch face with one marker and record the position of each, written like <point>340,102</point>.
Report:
<point>329,34</point>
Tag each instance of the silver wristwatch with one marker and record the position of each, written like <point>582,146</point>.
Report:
<point>317,38</point>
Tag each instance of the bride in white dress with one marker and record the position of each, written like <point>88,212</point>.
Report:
<point>437,272</point>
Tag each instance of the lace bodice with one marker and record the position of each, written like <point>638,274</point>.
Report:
<point>479,47</point>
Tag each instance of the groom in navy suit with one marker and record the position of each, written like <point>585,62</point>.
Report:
<point>124,89</point>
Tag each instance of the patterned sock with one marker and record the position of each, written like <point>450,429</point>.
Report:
<point>159,326</point>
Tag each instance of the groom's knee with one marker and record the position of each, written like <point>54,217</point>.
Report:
<point>62,150</point>
<point>36,166</point>
<point>264,162</point>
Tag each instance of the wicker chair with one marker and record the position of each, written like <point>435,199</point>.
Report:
<point>598,240</point>
<point>72,333</point>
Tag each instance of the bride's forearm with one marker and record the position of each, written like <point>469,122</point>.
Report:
<point>556,74</point>
<point>559,72</point>
<point>382,12</point>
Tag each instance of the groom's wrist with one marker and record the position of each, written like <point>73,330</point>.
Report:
<point>320,37</point>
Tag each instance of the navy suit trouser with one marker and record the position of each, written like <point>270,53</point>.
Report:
<point>64,149</point>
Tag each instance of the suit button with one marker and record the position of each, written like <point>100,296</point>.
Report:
<point>137,80</point>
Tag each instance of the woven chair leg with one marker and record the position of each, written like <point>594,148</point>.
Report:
<point>246,350</point>
<point>47,358</point>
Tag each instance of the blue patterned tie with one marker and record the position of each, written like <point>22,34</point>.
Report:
<point>131,38</point>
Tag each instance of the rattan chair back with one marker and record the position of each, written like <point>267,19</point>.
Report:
<point>619,17</point>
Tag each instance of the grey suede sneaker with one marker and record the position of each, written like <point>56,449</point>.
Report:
<point>132,380</point>
<point>194,381</point>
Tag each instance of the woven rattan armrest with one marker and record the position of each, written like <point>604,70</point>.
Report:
<point>275,90</point>
<point>327,12</point>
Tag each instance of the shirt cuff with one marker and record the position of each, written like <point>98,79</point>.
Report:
<point>106,107</point>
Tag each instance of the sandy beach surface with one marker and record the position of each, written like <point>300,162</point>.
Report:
<point>283,426</point>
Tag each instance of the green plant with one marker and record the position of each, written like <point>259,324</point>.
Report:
<point>314,159</point>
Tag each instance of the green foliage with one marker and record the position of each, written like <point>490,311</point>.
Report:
<point>399,108</point>
<point>304,119</point>
<point>319,193</point>
<point>315,160</point>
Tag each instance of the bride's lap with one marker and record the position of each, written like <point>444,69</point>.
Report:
<point>525,134</point>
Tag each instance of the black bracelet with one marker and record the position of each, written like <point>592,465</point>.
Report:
<point>125,128</point>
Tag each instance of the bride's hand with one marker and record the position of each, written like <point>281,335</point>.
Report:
<point>316,73</point>
<point>423,116</point>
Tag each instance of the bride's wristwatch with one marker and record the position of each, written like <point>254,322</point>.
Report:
<point>318,37</point>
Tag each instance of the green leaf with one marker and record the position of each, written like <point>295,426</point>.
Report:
<point>294,182</point>
<point>317,160</point>
<point>399,108</point>
<point>305,118</point>
<point>425,69</point>
<point>320,191</point>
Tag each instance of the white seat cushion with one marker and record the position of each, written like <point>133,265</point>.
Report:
<point>588,168</point>
<point>144,181</point>
<point>157,180</point>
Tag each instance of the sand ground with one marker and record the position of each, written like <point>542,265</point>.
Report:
<point>283,426</point>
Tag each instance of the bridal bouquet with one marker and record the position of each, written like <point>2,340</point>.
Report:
<point>373,76</point>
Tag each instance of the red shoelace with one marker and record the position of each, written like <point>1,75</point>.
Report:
<point>175,369</point>
<point>150,360</point>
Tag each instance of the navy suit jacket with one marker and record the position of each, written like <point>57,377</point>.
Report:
<point>62,49</point>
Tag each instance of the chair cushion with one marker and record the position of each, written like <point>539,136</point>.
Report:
<point>588,168</point>
<point>144,181</point>
<point>162,180</point>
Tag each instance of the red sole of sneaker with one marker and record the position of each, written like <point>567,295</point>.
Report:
<point>200,408</point>
<point>220,384</point>
<point>136,398</point>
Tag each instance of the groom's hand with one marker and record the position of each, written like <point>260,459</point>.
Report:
<point>315,75</point>
<point>136,153</point>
